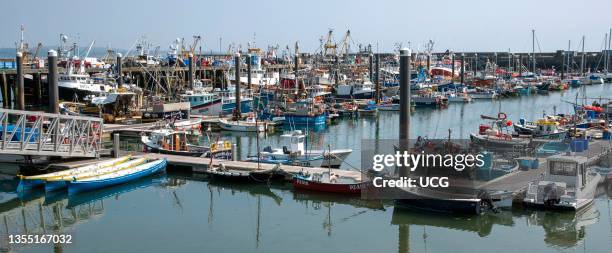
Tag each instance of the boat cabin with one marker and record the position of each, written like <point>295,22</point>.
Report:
<point>171,140</point>
<point>296,142</point>
<point>571,170</point>
<point>544,127</point>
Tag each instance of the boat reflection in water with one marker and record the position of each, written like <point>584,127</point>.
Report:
<point>561,229</point>
<point>38,213</point>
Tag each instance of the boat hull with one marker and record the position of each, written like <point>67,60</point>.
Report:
<point>51,186</point>
<point>305,184</point>
<point>29,184</point>
<point>361,95</point>
<point>75,187</point>
<point>305,120</point>
<point>68,94</point>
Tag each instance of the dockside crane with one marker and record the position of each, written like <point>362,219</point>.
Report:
<point>329,48</point>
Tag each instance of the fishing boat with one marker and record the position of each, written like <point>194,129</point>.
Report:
<point>189,125</point>
<point>78,85</point>
<point>58,183</point>
<point>305,112</point>
<point>117,177</point>
<point>296,154</point>
<point>454,97</point>
<point>368,109</point>
<point>167,141</point>
<point>569,184</point>
<point>204,102</point>
<point>31,182</point>
<point>328,182</point>
<point>248,125</point>
<point>482,94</point>
<point>360,89</point>
<point>492,135</point>
<point>542,129</point>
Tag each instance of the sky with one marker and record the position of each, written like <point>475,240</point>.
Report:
<point>460,25</point>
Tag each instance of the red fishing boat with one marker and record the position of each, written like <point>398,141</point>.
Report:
<point>326,182</point>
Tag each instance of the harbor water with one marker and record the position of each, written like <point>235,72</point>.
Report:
<point>180,212</point>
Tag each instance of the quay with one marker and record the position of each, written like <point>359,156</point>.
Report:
<point>516,182</point>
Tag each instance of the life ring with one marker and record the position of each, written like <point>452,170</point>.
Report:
<point>502,115</point>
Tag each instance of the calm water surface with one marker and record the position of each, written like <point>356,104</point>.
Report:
<point>188,213</point>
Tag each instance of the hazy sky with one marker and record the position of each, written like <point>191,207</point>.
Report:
<point>459,25</point>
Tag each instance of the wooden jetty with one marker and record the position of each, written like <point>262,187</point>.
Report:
<point>201,164</point>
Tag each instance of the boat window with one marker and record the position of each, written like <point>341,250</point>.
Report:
<point>563,168</point>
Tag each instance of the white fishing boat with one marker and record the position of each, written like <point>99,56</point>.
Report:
<point>78,85</point>
<point>454,97</point>
<point>248,125</point>
<point>359,89</point>
<point>296,153</point>
<point>482,94</point>
<point>568,184</point>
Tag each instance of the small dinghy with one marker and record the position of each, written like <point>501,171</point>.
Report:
<point>30,182</point>
<point>328,182</point>
<point>116,177</point>
<point>57,183</point>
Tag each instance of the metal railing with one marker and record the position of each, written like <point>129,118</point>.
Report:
<point>47,134</point>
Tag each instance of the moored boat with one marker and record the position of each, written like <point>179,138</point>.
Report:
<point>171,142</point>
<point>248,125</point>
<point>118,177</point>
<point>57,183</point>
<point>328,182</point>
<point>569,184</point>
<point>30,182</point>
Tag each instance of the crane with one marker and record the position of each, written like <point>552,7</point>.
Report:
<point>194,45</point>
<point>89,49</point>
<point>37,51</point>
<point>329,46</point>
<point>346,43</point>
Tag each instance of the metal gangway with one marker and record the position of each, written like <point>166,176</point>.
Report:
<point>30,133</point>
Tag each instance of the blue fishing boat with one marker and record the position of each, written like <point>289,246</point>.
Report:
<point>118,177</point>
<point>306,112</point>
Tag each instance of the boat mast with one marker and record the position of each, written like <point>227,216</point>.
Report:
<point>569,44</point>
<point>582,58</point>
<point>608,51</point>
<point>533,60</point>
<point>604,53</point>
